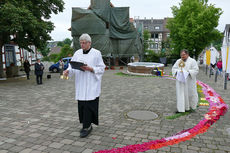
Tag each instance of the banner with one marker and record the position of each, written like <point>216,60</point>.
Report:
<point>227,61</point>
<point>226,58</point>
<point>208,57</point>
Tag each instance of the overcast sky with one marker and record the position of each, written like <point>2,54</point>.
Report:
<point>157,9</point>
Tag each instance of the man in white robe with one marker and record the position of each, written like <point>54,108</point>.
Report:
<point>87,83</point>
<point>186,88</point>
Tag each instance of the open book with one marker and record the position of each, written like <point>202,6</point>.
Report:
<point>77,65</point>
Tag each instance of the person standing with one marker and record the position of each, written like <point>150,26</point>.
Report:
<point>186,69</point>
<point>87,83</point>
<point>61,66</point>
<point>39,67</point>
<point>219,66</point>
<point>27,68</point>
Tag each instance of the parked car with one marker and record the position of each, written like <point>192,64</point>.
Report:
<point>55,67</point>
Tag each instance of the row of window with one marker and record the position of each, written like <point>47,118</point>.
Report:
<point>156,27</point>
<point>158,35</point>
<point>153,46</point>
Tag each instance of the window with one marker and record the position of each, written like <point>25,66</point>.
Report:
<point>156,46</point>
<point>157,28</point>
<point>154,35</point>
<point>32,54</point>
<point>151,46</point>
<point>10,55</point>
<point>25,54</point>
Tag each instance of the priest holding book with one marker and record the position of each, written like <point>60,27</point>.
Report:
<point>88,67</point>
<point>185,71</point>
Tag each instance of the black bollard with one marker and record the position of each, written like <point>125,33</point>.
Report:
<point>216,74</point>
<point>225,81</point>
<point>210,73</point>
<point>206,72</point>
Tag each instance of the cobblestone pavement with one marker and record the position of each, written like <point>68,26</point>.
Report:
<point>44,118</point>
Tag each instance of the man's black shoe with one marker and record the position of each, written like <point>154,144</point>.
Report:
<point>85,132</point>
<point>176,112</point>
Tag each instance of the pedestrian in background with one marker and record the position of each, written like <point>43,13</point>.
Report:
<point>61,66</point>
<point>39,67</point>
<point>27,68</point>
<point>219,66</point>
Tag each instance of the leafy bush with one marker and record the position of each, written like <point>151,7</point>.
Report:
<point>46,58</point>
<point>151,56</point>
<point>54,58</point>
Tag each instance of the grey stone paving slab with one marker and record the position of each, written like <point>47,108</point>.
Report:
<point>87,151</point>
<point>45,118</point>
<point>56,145</point>
<point>27,150</point>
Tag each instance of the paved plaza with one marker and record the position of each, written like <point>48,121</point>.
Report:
<point>44,118</point>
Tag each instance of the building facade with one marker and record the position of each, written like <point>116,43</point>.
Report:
<point>157,28</point>
<point>13,58</point>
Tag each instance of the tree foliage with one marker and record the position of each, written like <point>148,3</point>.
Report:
<point>54,57</point>
<point>27,22</point>
<point>45,51</point>
<point>193,26</point>
<point>66,51</point>
<point>146,36</point>
<point>218,43</point>
<point>67,41</point>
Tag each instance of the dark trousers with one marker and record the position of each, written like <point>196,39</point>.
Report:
<point>39,79</point>
<point>28,75</point>
<point>88,112</point>
<point>61,71</point>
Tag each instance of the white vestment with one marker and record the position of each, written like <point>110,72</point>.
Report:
<point>88,84</point>
<point>186,91</point>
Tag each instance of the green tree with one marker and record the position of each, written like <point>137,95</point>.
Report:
<point>218,43</point>
<point>67,41</point>
<point>66,51</point>
<point>146,36</point>
<point>54,57</point>
<point>165,45</point>
<point>193,26</point>
<point>44,51</point>
<point>26,22</point>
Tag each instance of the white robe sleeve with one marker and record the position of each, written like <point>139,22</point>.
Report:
<point>175,68</point>
<point>99,68</point>
<point>194,69</point>
<point>70,69</point>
